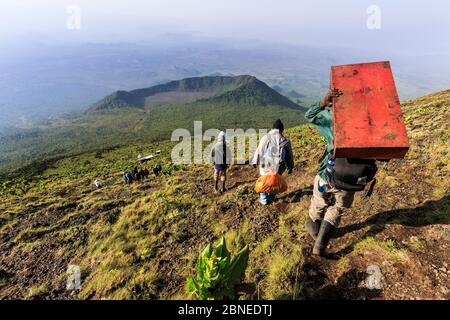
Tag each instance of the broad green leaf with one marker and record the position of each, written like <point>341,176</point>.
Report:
<point>221,248</point>
<point>207,251</point>
<point>192,285</point>
<point>217,272</point>
<point>238,266</point>
<point>224,265</point>
<point>200,267</point>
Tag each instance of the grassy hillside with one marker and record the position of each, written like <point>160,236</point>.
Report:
<point>142,241</point>
<point>124,118</point>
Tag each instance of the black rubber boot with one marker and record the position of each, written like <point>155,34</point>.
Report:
<point>216,186</point>
<point>323,238</point>
<point>312,227</point>
<point>223,187</point>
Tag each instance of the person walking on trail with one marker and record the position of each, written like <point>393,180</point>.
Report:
<point>145,173</point>
<point>136,176</point>
<point>156,170</point>
<point>221,159</point>
<point>274,154</point>
<point>334,185</point>
<point>128,177</point>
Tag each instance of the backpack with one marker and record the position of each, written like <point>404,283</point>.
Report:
<point>275,155</point>
<point>351,174</point>
<point>223,165</point>
<point>283,161</point>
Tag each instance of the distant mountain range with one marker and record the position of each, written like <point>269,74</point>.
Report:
<point>229,90</point>
<point>151,114</point>
<point>293,94</point>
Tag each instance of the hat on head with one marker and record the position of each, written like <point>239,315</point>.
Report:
<point>278,125</point>
<point>222,136</point>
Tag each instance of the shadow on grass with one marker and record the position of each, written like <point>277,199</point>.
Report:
<point>430,213</point>
<point>296,195</point>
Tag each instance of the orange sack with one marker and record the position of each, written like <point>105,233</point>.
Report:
<point>271,183</point>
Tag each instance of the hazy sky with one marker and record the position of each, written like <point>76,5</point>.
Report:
<point>407,26</point>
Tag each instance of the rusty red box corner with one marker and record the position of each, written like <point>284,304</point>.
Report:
<point>367,118</point>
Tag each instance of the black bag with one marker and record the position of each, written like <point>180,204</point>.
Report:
<point>352,174</point>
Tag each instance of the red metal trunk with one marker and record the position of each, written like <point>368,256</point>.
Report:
<point>367,118</point>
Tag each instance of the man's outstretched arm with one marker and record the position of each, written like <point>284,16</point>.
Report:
<point>312,114</point>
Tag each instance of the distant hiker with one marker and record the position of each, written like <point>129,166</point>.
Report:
<point>128,177</point>
<point>221,159</point>
<point>145,173</point>
<point>157,170</point>
<point>141,174</point>
<point>136,175</point>
<point>336,181</point>
<point>274,154</point>
<point>97,183</point>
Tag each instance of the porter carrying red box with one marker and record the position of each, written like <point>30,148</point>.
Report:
<point>367,117</point>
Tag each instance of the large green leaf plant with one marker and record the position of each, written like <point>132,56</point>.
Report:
<point>218,273</point>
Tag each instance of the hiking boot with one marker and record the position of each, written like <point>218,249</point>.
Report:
<point>323,238</point>
<point>312,227</point>
<point>223,187</point>
<point>216,186</point>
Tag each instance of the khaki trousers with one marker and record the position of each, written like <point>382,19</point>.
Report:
<point>220,175</point>
<point>329,205</point>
